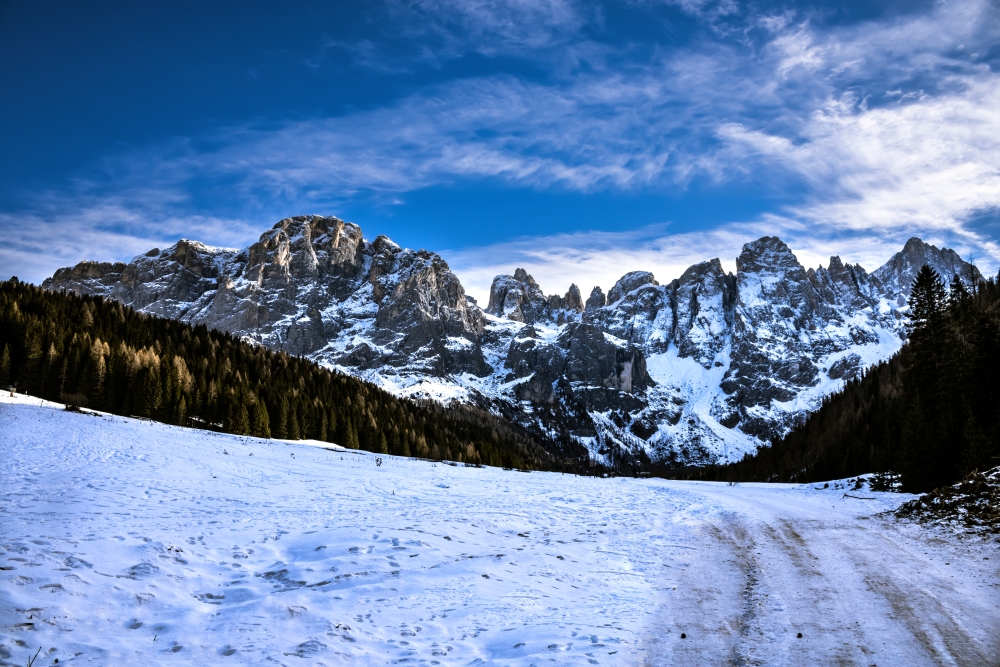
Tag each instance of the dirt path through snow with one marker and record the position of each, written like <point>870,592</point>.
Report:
<point>861,589</point>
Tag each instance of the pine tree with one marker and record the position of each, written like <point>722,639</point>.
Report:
<point>281,423</point>
<point>241,425</point>
<point>30,379</point>
<point>924,464</point>
<point>5,367</point>
<point>86,317</point>
<point>294,433</point>
<point>261,421</point>
<point>180,417</point>
<point>322,434</point>
<point>151,396</point>
<point>352,436</point>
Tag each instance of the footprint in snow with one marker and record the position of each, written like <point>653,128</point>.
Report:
<point>142,570</point>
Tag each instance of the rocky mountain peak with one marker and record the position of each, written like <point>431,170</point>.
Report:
<point>596,299</point>
<point>630,282</point>
<point>898,274</point>
<point>769,254</point>
<point>519,298</point>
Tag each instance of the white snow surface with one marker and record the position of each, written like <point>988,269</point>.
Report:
<point>130,542</point>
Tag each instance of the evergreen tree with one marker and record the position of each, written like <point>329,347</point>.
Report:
<point>261,421</point>
<point>150,395</point>
<point>322,434</point>
<point>241,425</point>
<point>924,462</point>
<point>5,367</point>
<point>281,423</point>
<point>30,374</point>
<point>86,317</point>
<point>294,432</point>
<point>351,441</point>
<point>180,415</point>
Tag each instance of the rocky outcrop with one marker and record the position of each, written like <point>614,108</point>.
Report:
<point>776,311</point>
<point>97,278</point>
<point>596,299</point>
<point>571,302</point>
<point>519,298</point>
<point>640,315</point>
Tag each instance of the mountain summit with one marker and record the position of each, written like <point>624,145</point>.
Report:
<point>704,368</point>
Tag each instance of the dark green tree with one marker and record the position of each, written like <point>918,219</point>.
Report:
<point>261,421</point>
<point>5,367</point>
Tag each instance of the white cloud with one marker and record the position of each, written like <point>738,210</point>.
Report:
<point>103,230</point>
<point>920,166</point>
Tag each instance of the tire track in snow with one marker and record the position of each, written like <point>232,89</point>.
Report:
<point>863,591</point>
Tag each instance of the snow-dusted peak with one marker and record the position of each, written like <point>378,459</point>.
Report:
<point>897,275</point>
<point>629,283</point>
<point>519,298</point>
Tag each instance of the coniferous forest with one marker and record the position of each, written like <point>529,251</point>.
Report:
<point>931,413</point>
<point>88,351</point>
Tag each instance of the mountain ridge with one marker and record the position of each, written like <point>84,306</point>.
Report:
<point>705,368</point>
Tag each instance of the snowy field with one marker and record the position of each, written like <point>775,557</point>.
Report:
<point>126,542</point>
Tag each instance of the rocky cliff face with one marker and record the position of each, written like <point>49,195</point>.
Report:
<point>703,368</point>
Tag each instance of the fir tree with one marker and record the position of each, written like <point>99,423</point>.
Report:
<point>281,423</point>
<point>351,441</point>
<point>149,401</point>
<point>86,317</point>
<point>241,425</point>
<point>261,421</point>
<point>180,415</point>
<point>294,433</point>
<point>924,463</point>
<point>5,367</point>
<point>322,434</point>
<point>31,380</point>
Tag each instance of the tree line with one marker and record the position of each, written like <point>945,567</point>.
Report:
<point>930,414</point>
<point>95,352</point>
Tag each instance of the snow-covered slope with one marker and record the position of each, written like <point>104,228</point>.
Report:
<point>702,369</point>
<point>126,542</point>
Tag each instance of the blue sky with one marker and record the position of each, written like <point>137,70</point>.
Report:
<point>578,139</point>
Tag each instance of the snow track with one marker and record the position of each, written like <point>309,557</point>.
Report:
<point>129,542</point>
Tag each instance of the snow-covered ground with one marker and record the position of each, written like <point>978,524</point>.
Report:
<point>129,542</point>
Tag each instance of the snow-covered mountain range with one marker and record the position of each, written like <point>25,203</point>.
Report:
<point>701,369</point>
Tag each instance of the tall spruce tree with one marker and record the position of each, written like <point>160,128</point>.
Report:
<point>261,422</point>
<point>5,367</point>
<point>924,462</point>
